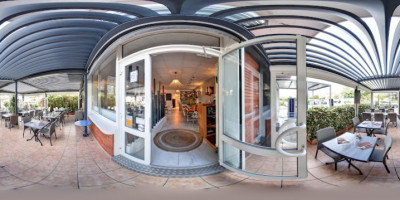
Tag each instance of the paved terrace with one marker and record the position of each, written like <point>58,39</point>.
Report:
<point>85,165</point>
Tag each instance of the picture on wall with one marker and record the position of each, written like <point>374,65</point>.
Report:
<point>168,96</point>
<point>210,90</point>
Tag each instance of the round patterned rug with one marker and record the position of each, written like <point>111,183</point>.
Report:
<point>178,140</point>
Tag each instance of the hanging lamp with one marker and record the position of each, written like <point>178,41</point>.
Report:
<point>175,83</point>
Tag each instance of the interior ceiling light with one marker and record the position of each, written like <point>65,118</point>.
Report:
<point>175,83</point>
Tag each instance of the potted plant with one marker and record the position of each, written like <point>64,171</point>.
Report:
<point>6,104</point>
<point>12,105</point>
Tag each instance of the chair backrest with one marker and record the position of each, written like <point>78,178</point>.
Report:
<point>31,113</point>
<point>14,119</point>
<point>378,117</point>
<point>53,127</point>
<point>382,110</point>
<point>392,116</point>
<point>26,119</point>
<point>324,135</point>
<point>388,144</point>
<point>391,110</point>
<point>387,126</point>
<point>366,116</point>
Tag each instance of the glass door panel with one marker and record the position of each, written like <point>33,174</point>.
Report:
<point>136,108</point>
<point>247,143</point>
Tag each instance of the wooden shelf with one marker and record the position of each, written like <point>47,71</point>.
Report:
<point>205,126</point>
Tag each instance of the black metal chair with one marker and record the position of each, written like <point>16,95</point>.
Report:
<point>25,120</point>
<point>392,117</point>
<point>356,122</point>
<point>324,135</point>
<point>379,117</point>
<point>366,116</point>
<point>48,132</point>
<point>382,131</point>
<point>13,121</point>
<point>381,155</point>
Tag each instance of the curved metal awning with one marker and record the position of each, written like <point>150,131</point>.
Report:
<point>358,40</point>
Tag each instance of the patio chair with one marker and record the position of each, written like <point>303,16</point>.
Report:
<point>1,116</point>
<point>48,132</point>
<point>382,131</point>
<point>324,135</point>
<point>392,118</point>
<point>40,115</point>
<point>391,110</point>
<point>382,110</point>
<point>366,116</point>
<point>379,117</point>
<point>14,120</point>
<point>372,109</point>
<point>380,155</point>
<point>25,120</point>
<point>78,115</point>
<point>356,122</point>
<point>31,114</point>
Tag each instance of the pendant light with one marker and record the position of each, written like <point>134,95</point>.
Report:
<point>175,83</point>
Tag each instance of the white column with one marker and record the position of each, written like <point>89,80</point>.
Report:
<point>372,99</point>
<point>301,103</point>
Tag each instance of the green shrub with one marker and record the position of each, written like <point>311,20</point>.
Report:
<point>338,117</point>
<point>64,101</point>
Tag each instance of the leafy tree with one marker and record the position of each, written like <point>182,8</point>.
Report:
<point>348,92</point>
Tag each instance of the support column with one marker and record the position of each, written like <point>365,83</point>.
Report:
<point>86,110</point>
<point>330,97</point>
<point>372,99</point>
<point>398,105</point>
<point>79,98</point>
<point>16,98</point>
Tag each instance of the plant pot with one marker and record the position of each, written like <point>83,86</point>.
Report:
<point>349,127</point>
<point>314,141</point>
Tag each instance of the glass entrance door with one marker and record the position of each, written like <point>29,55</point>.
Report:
<point>135,108</point>
<point>248,143</point>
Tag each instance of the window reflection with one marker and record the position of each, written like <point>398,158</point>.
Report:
<point>134,96</point>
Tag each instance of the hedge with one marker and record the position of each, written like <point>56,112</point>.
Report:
<point>338,117</point>
<point>63,101</point>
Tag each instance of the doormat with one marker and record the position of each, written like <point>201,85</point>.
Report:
<point>178,140</point>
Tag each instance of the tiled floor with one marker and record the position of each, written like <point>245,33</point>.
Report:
<point>202,155</point>
<point>84,165</point>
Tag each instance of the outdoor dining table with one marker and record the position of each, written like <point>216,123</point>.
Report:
<point>352,151</point>
<point>52,116</point>
<point>36,126</point>
<point>23,113</point>
<point>370,126</point>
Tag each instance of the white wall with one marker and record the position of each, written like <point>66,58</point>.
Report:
<point>205,98</point>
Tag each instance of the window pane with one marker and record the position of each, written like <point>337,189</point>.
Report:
<point>134,146</point>
<point>95,90</point>
<point>134,95</point>
<point>107,89</point>
<point>231,95</point>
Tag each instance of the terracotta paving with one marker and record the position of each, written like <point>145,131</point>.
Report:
<point>83,164</point>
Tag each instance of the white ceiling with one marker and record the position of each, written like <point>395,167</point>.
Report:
<point>192,69</point>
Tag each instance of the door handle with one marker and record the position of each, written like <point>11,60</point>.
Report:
<point>285,133</point>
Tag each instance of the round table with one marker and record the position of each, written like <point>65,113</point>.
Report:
<point>83,124</point>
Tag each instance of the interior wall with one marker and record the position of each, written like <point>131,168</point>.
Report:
<point>252,91</point>
<point>203,98</point>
